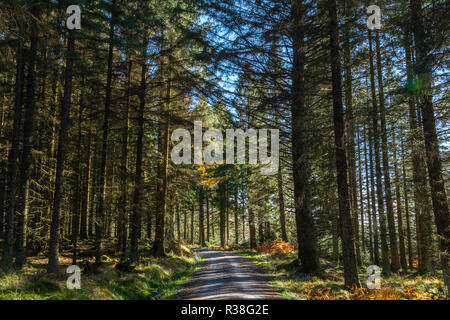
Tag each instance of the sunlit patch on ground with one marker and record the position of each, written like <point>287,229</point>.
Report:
<point>281,271</point>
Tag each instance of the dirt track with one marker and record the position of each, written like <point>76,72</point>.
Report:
<point>226,275</point>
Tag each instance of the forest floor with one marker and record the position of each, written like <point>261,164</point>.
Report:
<point>153,278</point>
<point>271,276</point>
<point>282,272</point>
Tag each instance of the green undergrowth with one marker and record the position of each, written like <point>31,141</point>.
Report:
<point>283,273</point>
<point>152,279</point>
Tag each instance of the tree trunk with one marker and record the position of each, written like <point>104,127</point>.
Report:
<point>191,240</point>
<point>331,200</point>
<point>93,189</point>
<point>27,145</point>
<point>99,219</point>
<point>2,202</point>
<point>178,222</point>
<point>243,222</point>
<point>395,262</point>
<point>251,224</point>
<point>185,225</point>
<point>401,236</point>
<point>347,231</point>
<point>373,198</point>
<point>227,218</point>
<point>351,129</point>
<point>434,164</point>
<point>307,244</point>
<point>369,203</point>
<point>408,224</point>
<point>207,217</point>
<point>261,222</point>
<point>201,200</point>
<point>123,199</point>
<point>77,181</point>
<point>136,215</point>
<point>163,164</point>
<point>361,206</point>
<point>385,263</point>
<point>236,220</point>
<point>86,186</point>
<point>53,263</point>
<point>419,178</point>
<point>281,205</point>
<point>222,212</point>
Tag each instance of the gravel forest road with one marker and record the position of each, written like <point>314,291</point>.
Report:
<point>227,276</point>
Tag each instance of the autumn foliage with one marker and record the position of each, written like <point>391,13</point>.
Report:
<point>276,247</point>
<point>407,293</point>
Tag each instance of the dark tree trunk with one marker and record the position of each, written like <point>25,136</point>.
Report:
<point>408,224</point>
<point>243,222</point>
<point>350,127</point>
<point>376,251</point>
<point>149,224</point>
<point>93,188</point>
<point>51,154</point>
<point>27,145</point>
<point>207,217</point>
<point>77,196</point>
<point>401,236</point>
<point>136,215</point>
<point>307,244</point>
<point>100,216</point>
<point>53,264</point>
<point>185,225</point>
<point>361,206</point>
<point>385,263</point>
<point>395,262</point>
<point>369,204</point>
<point>331,199</point>
<point>261,237</point>
<point>163,164</point>
<point>281,205</point>
<point>124,167</point>
<point>419,177</point>
<point>251,225</point>
<point>347,231</point>
<point>201,216</point>
<point>236,215</point>
<point>2,202</point>
<point>227,218</point>
<point>191,240</point>
<point>86,186</point>
<point>178,222</point>
<point>222,212</point>
<point>434,164</point>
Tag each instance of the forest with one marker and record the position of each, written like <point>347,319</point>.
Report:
<point>93,93</point>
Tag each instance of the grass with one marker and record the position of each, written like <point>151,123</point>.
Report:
<point>283,274</point>
<point>160,279</point>
<point>153,279</point>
